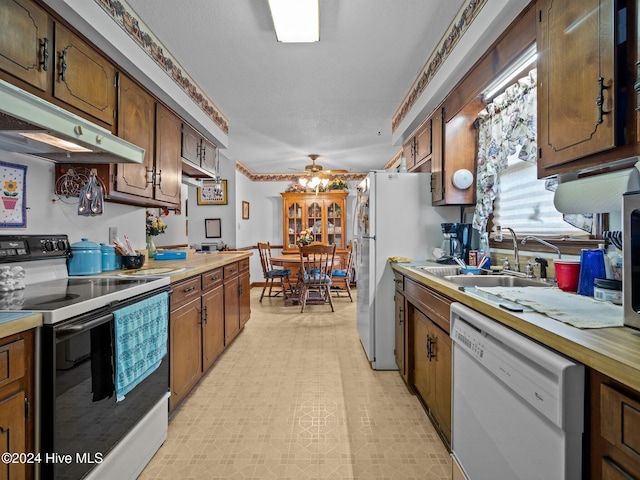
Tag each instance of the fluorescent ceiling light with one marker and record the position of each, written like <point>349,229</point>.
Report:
<point>525,60</point>
<point>296,21</point>
<point>55,141</point>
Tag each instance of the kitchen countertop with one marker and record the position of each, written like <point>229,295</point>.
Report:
<point>19,321</point>
<point>194,264</point>
<point>614,351</point>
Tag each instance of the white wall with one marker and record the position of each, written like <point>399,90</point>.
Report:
<point>47,213</point>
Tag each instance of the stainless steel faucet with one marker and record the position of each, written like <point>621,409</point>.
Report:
<point>516,252</point>
<point>543,242</point>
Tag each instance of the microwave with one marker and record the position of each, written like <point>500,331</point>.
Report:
<point>631,258</point>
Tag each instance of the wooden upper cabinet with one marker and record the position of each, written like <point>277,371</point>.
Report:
<point>136,124</point>
<point>198,151</point>
<point>168,166</point>
<point>423,142</point>
<point>83,78</point>
<point>576,81</point>
<point>408,152</point>
<point>25,42</point>
<point>208,156</point>
<point>191,144</point>
<point>437,157</point>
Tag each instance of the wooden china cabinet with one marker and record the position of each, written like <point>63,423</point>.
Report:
<point>325,213</point>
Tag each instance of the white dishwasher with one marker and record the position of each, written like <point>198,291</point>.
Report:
<point>518,407</point>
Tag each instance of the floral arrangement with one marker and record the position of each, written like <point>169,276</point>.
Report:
<point>304,237</point>
<point>338,184</point>
<point>295,187</point>
<point>155,226</point>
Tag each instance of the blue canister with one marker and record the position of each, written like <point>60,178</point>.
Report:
<point>85,258</point>
<point>108,255</point>
<point>591,267</point>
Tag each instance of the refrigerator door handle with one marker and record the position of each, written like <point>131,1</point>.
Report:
<point>370,238</point>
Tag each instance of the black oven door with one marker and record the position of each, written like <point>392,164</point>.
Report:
<point>79,413</point>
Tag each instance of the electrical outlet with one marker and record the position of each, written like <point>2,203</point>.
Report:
<point>113,233</point>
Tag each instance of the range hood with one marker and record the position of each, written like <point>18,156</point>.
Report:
<point>27,121</point>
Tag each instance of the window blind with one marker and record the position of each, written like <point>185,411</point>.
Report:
<point>524,204</point>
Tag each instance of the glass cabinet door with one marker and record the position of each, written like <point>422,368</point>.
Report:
<point>294,223</point>
<point>334,224</point>
<point>314,220</point>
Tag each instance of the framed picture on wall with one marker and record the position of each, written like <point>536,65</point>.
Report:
<point>245,210</point>
<point>213,228</point>
<point>207,196</point>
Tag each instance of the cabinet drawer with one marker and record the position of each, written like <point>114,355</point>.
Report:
<point>620,421</point>
<point>12,362</point>
<point>433,304</point>
<point>244,264</point>
<point>212,279</point>
<point>184,291</point>
<point>399,280</point>
<point>231,270</point>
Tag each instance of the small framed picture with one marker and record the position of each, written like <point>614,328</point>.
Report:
<point>212,228</point>
<point>245,210</point>
<point>207,196</point>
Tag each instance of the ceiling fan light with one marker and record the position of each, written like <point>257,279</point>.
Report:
<point>303,182</point>
<point>325,182</point>
<point>296,21</point>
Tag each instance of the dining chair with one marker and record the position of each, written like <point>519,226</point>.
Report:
<point>316,263</point>
<point>341,279</point>
<point>272,274</point>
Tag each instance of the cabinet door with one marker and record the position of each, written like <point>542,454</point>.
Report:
<point>575,37</point>
<point>437,157</point>
<point>208,156</point>
<point>408,152</point>
<point>212,326</point>
<point>292,222</point>
<point>13,434</point>
<point>185,350</point>
<point>136,124</point>
<point>400,334</point>
<point>315,219</point>
<point>190,145</point>
<point>421,365</point>
<point>25,42</point>
<point>83,78</point>
<point>334,224</point>
<point>423,142</point>
<point>245,298</point>
<point>168,162</point>
<point>231,309</point>
<point>441,361</point>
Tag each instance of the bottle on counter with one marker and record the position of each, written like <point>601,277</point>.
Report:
<point>483,250</point>
<point>615,260</point>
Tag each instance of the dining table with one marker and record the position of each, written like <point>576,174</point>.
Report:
<point>291,261</point>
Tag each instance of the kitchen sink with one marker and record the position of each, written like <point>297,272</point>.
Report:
<point>495,281</point>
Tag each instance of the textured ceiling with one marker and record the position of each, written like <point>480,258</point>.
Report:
<point>334,98</point>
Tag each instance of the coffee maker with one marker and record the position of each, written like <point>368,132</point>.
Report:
<point>457,242</point>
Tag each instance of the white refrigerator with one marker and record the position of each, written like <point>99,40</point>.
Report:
<point>393,217</point>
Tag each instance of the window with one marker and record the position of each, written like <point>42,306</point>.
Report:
<point>526,206</point>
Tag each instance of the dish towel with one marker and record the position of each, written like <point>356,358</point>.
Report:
<point>140,332</point>
<point>576,310</point>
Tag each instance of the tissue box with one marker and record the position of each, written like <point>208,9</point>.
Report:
<point>170,255</point>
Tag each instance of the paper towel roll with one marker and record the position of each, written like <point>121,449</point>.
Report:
<point>596,194</point>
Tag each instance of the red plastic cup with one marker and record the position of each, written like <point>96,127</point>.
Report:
<point>567,274</point>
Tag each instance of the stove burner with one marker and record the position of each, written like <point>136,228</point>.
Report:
<point>45,300</point>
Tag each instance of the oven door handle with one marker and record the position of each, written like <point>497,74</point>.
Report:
<point>81,327</point>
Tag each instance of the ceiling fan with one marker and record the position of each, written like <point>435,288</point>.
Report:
<point>316,174</point>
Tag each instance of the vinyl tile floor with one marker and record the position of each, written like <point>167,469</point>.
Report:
<point>294,397</point>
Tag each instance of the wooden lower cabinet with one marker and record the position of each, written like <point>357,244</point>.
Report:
<point>615,430</point>
<point>185,350</point>
<point>16,402</point>
<point>431,374</point>
<point>401,330</point>
<point>207,312</point>
<point>213,318</point>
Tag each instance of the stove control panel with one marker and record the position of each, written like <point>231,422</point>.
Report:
<point>21,248</point>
